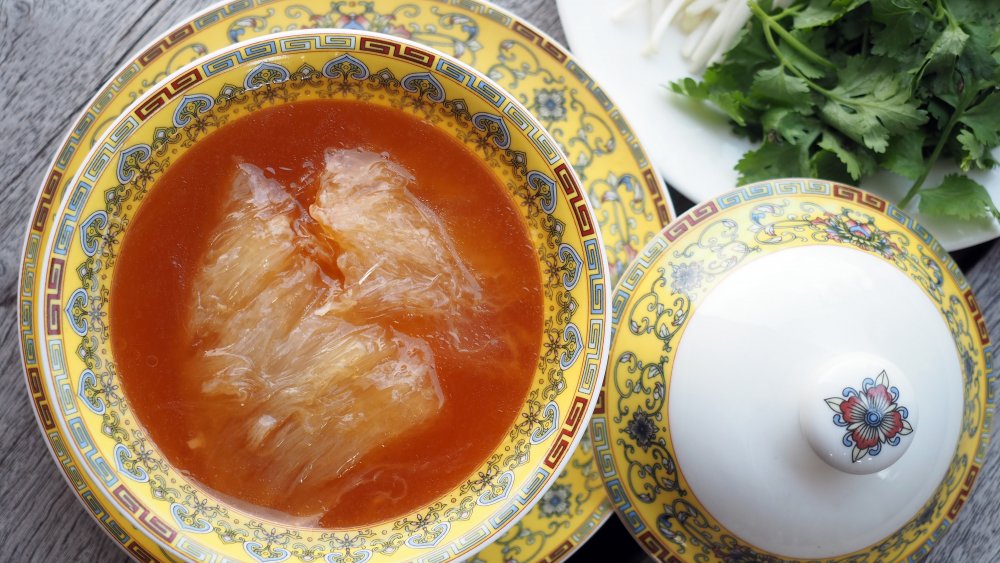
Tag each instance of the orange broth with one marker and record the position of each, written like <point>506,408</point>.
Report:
<point>151,292</point>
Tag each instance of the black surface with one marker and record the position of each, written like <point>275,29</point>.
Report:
<point>611,543</point>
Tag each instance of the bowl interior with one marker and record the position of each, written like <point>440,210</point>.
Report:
<point>120,468</point>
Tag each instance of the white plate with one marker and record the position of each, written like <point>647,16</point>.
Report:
<point>692,145</point>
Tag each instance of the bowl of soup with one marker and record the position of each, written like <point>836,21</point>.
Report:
<point>321,296</point>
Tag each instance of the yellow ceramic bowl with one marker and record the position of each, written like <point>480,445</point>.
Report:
<point>152,509</point>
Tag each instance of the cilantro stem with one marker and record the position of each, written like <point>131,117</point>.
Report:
<point>942,12</point>
<point>771,44</point>
<point>788,38</point>
<point>963,104</point>
<point>786,64</point>
<point>846,102</point>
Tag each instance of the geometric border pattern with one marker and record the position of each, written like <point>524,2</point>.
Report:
<point>243,16</point>
<point>627,160</point>
<point>741,225</point>
<point>133,518</point>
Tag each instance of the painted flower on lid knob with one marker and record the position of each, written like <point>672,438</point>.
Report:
<point>872,416</point>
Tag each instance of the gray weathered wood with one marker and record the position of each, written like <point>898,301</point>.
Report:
<point>53,57</point>
<point>975,534</point>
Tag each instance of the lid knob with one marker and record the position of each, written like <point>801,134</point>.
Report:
<point>860,414</point>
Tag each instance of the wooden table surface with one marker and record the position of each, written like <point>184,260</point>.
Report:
<point>54,55</point>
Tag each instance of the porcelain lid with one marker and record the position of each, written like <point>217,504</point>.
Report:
<point>798,371</point>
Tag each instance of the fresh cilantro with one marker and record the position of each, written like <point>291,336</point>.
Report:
<point>905,155</point>
<point>824,12</point>
<point>770,160</point>
<point>958,196</point>
<point>841,88</point>
<point>870,103</point>
<point>789,125</point>
<point>858,162</point>
<point>775,85</point>
<point>729,101</point>
<point>807,67</point>
<point>949,44</point>
<point>983,119</point>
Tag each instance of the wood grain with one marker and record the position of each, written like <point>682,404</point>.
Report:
<point>53,57</point>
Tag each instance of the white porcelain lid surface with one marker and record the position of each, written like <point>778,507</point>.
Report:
<point>798,371</point>
<point>801,328</point>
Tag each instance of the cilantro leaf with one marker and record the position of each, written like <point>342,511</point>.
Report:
<point>899,27</point>
<point>808,68</point>
<point>974,153</point>
<point>980,134</point>
<point>939,111</point>
<point>981,20</point>
<point>905,155</point>
<point>824,12</point>
<point>958,196</point>
<point>732,102</point>
<point>691,88</point>
<point>943,53</point>
<point>857,163</point>
<point>826,165</point>
<point>792,126</point>
<point>979,61</point>
<point>950,43</point>
<point>776,85</point>
<point>768,161</point>
<point>871,103</point>
<point>983,119</point>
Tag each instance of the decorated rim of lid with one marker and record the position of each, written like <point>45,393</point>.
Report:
<point>849,421</point>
